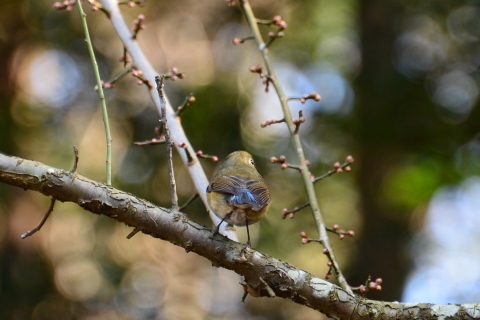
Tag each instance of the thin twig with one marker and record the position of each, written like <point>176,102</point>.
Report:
<point>100,91</point>
<point>169,143</point>
<point>192,198</point>
<point>188,100</point>
<point>134,232</point>
<point>122,74</point>
<point>75,162</point>
<point>270,291</point>
<point>323,236</point>
<point>332,172</point>
<point>40,225</point>
<point>286,212</point>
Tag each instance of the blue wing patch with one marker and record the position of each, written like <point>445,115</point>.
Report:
<point>246,198</point>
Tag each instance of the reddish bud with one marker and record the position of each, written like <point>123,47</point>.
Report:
<point>372,285</point>
<point>291,215</point>
<point>363,289</point>
<point>271,34</point>
<point>282,158</point>
<point>337,165</point>
<point>351,233</point>
<point>273,160</point>
<point>280,35</point>
<point>174,70</point>
<point>329,263</point>
<point>276,19</point>
<point>284,166</point>
<point>378,281</point>
<point>325,251</point>
<point>154,140</point>
<point>335,227</point>
<point>341,236</point>
<point>349,159</point>
<point>305,240</point>
<point>315,96</point>
<point>339,170</point>
<point>256,69</point>
<point>191,99</point>
<point>199,152</point>
<point>378,287</point>
<point>214,158</point>
<point>307,162</point>
<point>282,25</point>
<point>303,234</point>
<point>237,40</point>
<point>347,168</point>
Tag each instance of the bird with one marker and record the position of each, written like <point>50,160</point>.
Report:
<point>237,193</point>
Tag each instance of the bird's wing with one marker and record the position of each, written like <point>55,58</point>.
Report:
<point>242,190</point>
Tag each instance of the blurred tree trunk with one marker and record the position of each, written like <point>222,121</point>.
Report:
<point>380,100</point>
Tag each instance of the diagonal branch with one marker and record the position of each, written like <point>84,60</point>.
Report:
<point>312,198</point>
<point>178,135</point>
<point>265,276</point>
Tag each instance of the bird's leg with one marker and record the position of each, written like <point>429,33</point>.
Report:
<point>217,228</point>
<point>242,258</point>
<point>248,244</point>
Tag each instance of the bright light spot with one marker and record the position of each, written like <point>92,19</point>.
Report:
<point>447,266</point>
<point>78,278</point>
<point>417,53</point>
<point>337,94</point>
<point>456,92</point>
<point>54,78</point>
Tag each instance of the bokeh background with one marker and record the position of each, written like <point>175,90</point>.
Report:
<point>399,82</point>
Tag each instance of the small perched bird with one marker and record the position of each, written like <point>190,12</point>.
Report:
<point>237,193</point>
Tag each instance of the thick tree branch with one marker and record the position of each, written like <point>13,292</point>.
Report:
<point>264,275</point>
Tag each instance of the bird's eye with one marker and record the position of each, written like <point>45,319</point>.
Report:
<point>252,162</point>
